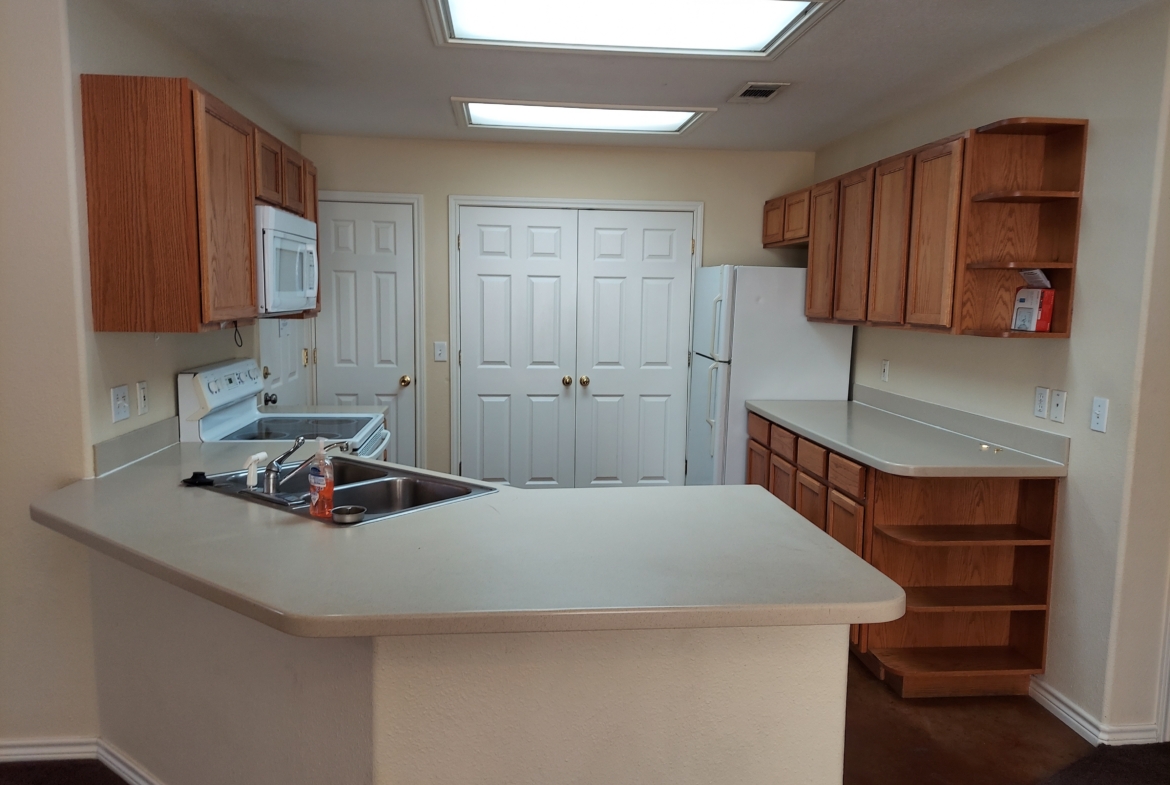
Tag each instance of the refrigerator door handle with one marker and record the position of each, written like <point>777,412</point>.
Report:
<point>715,313</point>
<point>712,375</point>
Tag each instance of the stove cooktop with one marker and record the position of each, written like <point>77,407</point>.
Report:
<point>281,428</point>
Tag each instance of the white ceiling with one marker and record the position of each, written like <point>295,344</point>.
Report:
<point>372,67</point>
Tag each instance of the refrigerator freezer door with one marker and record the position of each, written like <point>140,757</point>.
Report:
<point>706,421</point>
<point>779,355</point>
<point>714,293</point>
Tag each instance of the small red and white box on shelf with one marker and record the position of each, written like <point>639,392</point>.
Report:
<point>1033,305</point>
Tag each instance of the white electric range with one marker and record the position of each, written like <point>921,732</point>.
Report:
<point>217,403</point>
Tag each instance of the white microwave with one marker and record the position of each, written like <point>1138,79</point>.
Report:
<point>286,258</point>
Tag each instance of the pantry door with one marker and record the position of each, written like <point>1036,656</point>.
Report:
<point>286,347</point>
<point>517,298</point>
<point>633,335</point>
<point>365,331</point>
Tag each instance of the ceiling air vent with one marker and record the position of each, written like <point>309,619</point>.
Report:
<point>757,92</point>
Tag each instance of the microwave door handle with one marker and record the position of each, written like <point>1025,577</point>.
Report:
<point>314,269</point>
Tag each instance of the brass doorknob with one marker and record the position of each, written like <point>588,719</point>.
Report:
<point>567,381</point>
<point>404,381</point>
<point>584,381</point>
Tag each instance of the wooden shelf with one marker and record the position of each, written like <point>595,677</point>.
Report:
<point>1025,197</point>
<point>957,661</point>
<point>1013,334</point>
<point>985,534</point>
<point>1031,126</point>
<point>803,243</point>
<point>947,599</point>
<point>1013,264</point>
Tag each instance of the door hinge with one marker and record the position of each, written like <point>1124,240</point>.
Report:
<point>314,357</point>
<point>459,358</point>
<point>461,468</point>
<point>305,357</point>
<point>692,246</point>
<point>686,466</point>
<point>458,242</point>
<point>689,359</point>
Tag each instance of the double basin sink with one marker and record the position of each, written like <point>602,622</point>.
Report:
<point>384,491</point>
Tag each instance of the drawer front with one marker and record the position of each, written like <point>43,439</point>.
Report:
<point>758,428</point>
<point>811,457</point>
<point>847,476</point>
<point>782,481</point>
<point>811,499</point>
<point>783,443</point>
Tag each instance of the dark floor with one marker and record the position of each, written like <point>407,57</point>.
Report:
<point>888,741</point>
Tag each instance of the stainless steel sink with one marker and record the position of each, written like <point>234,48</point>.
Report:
<point>385,491</point>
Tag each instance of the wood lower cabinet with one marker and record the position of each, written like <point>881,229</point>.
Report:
<point>758,459</point>
<point>974,555</point>
<point>851,280</point>
<point>893,187</point>
<point>822,251</point>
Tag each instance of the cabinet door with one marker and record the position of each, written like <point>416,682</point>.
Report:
<point>757,464</point>
<point>774,221</point>
<point>810,499</point>
<point>938,175</point>
<point>269,167</point>
<point>846,520</point>
<point>294,180</point>
<point>782,480</point>
<point>893,184</point>
<point>796,216</point>
<point>310,191</point>
<point>224,190</point>
<point>822,251</point>
<point>852,278</point>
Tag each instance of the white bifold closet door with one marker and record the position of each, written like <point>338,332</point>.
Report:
<point>517,298</point>
<point>365,331</point>
<point>633,336</point>
<point>574,328</point>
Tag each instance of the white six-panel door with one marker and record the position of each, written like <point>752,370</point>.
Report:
<point>365,331</point>
<point>518,295</point>
<point>549,296</point>
<point>633,335</point>
<point>285,345</point>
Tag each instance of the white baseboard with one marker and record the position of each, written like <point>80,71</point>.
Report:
<point>77,749</point>
<point>1085,724</point>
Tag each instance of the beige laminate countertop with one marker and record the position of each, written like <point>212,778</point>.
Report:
<point>899,445</point>
<point>512,561</point>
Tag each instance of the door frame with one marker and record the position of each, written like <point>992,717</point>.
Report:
<point>415,201</point>
<point>454,203</point>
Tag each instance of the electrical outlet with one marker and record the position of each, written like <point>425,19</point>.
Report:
<point>1100,414</point>
<point>440,351</point>
<point>143,403</point>
<point>1040,407</point>
<point>120,403</point>
<point>885,370</point>
<point>1057,412</point>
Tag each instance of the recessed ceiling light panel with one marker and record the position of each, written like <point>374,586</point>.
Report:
<point>735,28</point>
<point>477,113</point>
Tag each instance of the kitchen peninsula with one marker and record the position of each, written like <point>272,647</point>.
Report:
<point>623,635</point>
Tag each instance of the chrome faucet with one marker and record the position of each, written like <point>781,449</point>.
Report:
<point>272,479</point>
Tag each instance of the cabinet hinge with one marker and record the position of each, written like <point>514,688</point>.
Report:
<point>692,246</point>
<point>305,357</point>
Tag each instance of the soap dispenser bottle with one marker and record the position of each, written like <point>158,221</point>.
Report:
<point>321,483</point>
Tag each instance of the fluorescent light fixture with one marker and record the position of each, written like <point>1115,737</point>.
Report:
<point>478,113</point>
<point>697,27</point>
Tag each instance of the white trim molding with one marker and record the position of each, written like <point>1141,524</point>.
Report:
<point>421,358</point>
<point>453,205</point>
<point>1085,724</point>
<point>72,748</point>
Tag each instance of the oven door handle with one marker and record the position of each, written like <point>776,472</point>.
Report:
<point>382,445</point>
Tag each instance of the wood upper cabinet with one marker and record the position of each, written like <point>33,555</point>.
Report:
<point>893,187</point>
<point>796,214</point>
<point>227,236</point>
<point>934,233</point>
<point>774,221</point>
<point>851,285</point>
<point>822,251</point>
<point>169,195</point>
<point>758,459</point>
<point>310,191</point>
<point>294,180</point>
<point>269,167</point>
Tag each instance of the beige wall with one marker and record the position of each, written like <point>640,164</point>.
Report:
<point>104,37</point>
<point>46,649</point>
<point>1114,76</point>
<point>732,185</point>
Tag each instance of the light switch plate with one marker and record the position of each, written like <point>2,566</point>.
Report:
<point>440,351</point>
<point>1100,415</point>
<point>1056,413</point>
<point>1040,406</point>
<point>885,370</point>
<point>143,401</point>
<point>120,403</point>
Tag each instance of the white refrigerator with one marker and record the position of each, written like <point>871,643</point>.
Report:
<point>752,342</point>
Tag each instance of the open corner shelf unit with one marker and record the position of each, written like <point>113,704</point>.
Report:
<point>975,558</point>
<point>1021,209</point>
